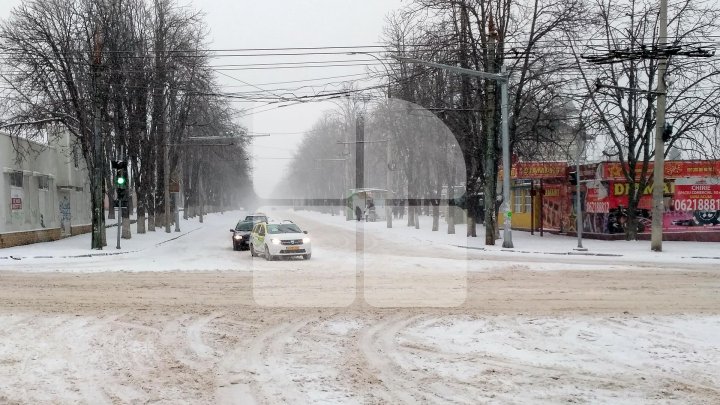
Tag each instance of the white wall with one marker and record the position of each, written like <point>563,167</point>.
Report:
<point>52,165</point>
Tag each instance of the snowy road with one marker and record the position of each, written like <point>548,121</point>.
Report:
<point>191,321</point>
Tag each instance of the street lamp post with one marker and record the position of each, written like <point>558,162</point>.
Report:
<point>501,78</point>
<point>388,146</point>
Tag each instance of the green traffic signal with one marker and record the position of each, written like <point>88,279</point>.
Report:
<point>120,181</point>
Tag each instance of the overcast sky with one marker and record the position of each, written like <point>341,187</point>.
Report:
<point>290,23</point>
<point>236,24</point>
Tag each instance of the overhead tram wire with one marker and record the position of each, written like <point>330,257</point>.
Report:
<point>374,48</point>
<point>332,50</point>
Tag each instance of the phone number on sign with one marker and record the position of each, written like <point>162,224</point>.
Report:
<point>697,205</point>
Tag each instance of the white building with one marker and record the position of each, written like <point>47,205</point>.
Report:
<point>46,194</point>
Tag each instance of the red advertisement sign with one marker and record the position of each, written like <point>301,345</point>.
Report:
<point>538,170</point>
<point>697,197</point>
<point>552,191</point>
<point>597,200</point>
<point>15,203</point>
<point>619,195</point>
<point>673,169</point>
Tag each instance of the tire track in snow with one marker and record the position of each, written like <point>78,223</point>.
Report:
<point>258,373</point>
<point>377,346</point>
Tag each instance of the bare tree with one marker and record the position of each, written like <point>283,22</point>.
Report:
<point>485,35</point>
<point>123,79</point>
<point>621,107</point>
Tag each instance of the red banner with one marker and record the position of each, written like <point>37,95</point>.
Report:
<point>673,169</point>
<point>539,170</point>
<point>699,196</point>
<point>597,200</point>
<point>552,191</point>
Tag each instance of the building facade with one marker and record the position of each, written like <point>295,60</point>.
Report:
<point>46,193</point>
<point>543,196</point>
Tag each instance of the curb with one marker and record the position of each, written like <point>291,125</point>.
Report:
<point>88,255</point>
<point>555,253</point>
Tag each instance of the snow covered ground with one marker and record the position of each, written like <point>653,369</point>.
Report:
<point>208,249</point>
<point>182,318</point>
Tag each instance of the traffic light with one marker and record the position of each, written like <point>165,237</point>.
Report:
<point>121,175</point>
<point>121,196</point>
<point>573,177</point>
<point>121,180</point>
<point>667,132</point>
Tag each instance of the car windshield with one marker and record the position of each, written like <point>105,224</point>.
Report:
<point>244,226</point>
<point>283,228</point>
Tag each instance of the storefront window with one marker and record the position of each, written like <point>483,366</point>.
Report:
<point>519,200</point>
<point>528,201</point>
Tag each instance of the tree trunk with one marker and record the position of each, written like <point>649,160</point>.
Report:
<point>140,218</point>
<point>631,230</point>
<point>451,211</point>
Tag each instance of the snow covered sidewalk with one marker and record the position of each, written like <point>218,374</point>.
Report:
<point>527,246</point>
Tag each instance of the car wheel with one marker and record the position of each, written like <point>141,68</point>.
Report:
<point>253,253</point>
<point>268,256</point>
<point>307,256</point>
<point>236,247</point>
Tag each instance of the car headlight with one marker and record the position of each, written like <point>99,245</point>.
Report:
<point>238,237</point>
<point>306,240</point>
<point>275,241</point>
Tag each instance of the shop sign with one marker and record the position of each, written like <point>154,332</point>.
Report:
<point>673,169</point>
<point>697,194</point>
<point>620,189</point>
<point>16,203</point>
<point>551,191</point>
<point>538,170</point>
<point>597,200</point>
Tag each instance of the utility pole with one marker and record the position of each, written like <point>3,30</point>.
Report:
<point>167,183</point>
<point>388,181</point>
<point>659,167</point>
<point>360,152</point>
<point>507,228</point>
<point>180,178</point>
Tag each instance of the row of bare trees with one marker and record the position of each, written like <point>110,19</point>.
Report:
<point>127,79</point>
<point>555,102</point>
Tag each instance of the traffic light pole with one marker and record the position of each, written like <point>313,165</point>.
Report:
<point>121,182</point>
<point>119,224</point>
<point>578,189</point>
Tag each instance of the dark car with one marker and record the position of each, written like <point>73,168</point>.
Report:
<point>259,217</point>
<point>241,235</point>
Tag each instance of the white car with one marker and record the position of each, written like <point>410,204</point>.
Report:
<point>277,239</point>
